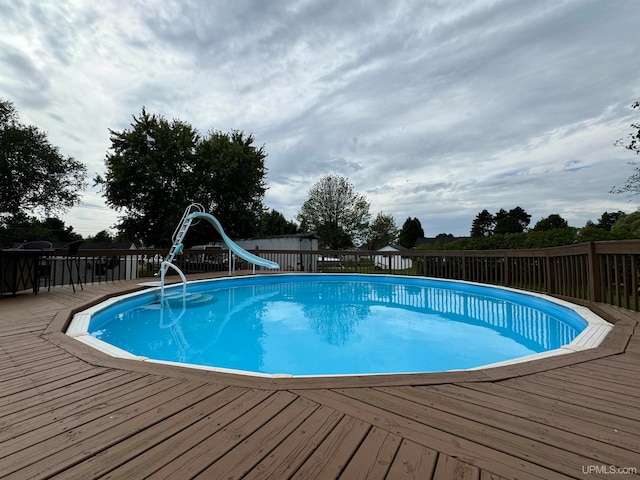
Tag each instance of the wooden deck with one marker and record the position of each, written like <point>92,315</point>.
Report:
<point>67,411</point>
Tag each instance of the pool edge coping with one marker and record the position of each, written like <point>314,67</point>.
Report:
<point>590,338</point>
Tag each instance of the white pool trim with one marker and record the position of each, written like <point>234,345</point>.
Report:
<point>594,333</point>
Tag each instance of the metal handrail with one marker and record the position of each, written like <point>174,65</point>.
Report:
<point>164,267</point>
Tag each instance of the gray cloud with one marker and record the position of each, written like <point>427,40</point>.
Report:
<point>28,83</point>
<point>434,110</point>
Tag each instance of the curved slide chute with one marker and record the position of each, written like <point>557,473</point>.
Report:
<point>234,247</point>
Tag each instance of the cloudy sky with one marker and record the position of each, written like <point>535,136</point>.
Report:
<point>435,109</point>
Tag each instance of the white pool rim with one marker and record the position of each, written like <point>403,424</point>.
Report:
<point>593,334</point>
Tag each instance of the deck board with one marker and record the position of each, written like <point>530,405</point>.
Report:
<point>607,388</point>
<point>573,434</point>
<point>55,395</point>
<point>239,461</point>
<point>441,439</point>
<point>589,397</point>
<point>36,413</point>
<point>285,459</point>
<point>373,458</point>
<point>173,449</point>
<point>335,451</point>
<point>190,464</point>
<point>570,417</point>
<point>413,462</point>
<point>74,434</point>
<point>137,443</point>
<point>455,469</point>
<point>521,438</point>
<point>67,411</point>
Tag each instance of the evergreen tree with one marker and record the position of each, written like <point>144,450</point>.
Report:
<point>482,225</point>
<point>410,232</point>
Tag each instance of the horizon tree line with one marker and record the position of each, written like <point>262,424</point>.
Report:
<point>147,163</point>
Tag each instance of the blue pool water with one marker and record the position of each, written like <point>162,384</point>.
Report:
<point>336,324</point>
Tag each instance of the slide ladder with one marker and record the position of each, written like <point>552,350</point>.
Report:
<point>179,234</point>
<point>181,230</point>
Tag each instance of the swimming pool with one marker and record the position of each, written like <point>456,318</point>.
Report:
<point>321,324</point>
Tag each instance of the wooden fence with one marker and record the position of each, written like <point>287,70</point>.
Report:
<point>596,271</point>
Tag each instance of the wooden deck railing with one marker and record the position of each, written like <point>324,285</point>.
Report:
<point>596,271</point>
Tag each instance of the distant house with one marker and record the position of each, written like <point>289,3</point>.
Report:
<point>300,242</point>
<point>392,262</point>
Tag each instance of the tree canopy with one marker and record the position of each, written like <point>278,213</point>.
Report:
<point>335,213</point>
<point>628,224</point>
<point>518,214</point>
<point>274,223</point>
<point>34,175</point>
<point>549,223</point>
<point>502,222</point>
<point>155,169</point>
<point>551,231</point>
<point>507,224</point>
<point>23,228</point>
<point>606,220</point>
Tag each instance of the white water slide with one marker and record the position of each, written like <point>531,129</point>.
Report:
<point>234,247</point>
<point>193,212</point>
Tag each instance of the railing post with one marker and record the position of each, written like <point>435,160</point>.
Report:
<point>463,258</point>
<point>550,274</point>
<point>593,273</point>
<point>505,281</point>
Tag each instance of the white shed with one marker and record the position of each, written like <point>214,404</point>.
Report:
<point>394,262</point>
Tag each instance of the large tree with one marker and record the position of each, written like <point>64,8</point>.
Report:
<point>506,225</point>
<point>156,168</point>
<point>335,212</point>
<point>34,175</point>
<point>229,181</point>
<point>382,232</point>
<point>515,220</point>
<point>410,232</point>
<point>632,143</point>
